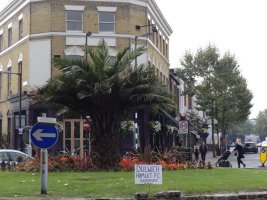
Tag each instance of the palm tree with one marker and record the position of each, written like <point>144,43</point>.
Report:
<point>104,88</point>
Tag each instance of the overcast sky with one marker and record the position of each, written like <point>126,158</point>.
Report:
<point>237,26</point>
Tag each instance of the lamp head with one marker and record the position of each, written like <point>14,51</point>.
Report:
<point>154,28</point>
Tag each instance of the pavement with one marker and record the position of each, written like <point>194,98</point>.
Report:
<point>251,160</point>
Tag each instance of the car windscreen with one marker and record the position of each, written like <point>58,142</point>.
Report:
<point>250,145</point>
<point>3,156</point>
<point>16,156</point>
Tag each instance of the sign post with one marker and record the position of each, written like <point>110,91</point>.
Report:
<point>44,135</point>
<point>183,127</point>
<point>44,171</point>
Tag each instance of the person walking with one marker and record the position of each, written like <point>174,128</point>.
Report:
<point>196,151</point>
<point>203,148</point>
<point>240,152</point>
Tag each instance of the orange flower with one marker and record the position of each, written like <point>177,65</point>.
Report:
<point>171,166</point>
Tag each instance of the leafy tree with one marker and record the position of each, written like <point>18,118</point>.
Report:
<point>261,124</point>
<point>106,89</point>
<point>239,130</point>
<point>219,88</point>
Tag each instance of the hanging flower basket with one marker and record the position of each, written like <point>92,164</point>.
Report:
<point>154,126</point>
<point>175,131</point>
<point>59,126</point>
<point>127,127</point>
<point>168,129</point>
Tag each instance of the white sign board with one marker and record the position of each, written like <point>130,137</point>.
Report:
<point>148,174</point>
<point>183,127</point>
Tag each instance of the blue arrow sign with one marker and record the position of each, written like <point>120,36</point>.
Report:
<point>44,135</point>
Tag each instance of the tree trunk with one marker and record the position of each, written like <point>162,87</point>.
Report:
<point>107,152</point>
<point>213,140</point>
<point>105,144</point>
<point>212,130</point>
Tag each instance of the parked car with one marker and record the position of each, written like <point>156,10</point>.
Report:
<point>12,156</point>
<point>250,147</point>
<point>262,144</point>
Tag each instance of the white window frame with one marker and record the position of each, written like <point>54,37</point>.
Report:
<point>74,8</point>
<point>107,10</point>
<point>1,80</point>
<point>21,28</point>
<point>9,36</point>
<point>9,81</point>
<point>1,41</point>
<point>74,52</point>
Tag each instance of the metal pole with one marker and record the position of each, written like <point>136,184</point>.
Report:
<point>135,46</point>
<point>87,34</point>
<point>30,144</point>
<point>20,89</point>
<point>189,141</point>
<point>20,131</point>
<point>86,47</point>
<point>44,171</point>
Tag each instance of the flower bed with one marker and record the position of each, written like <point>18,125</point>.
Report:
<point>166,159</point>
<point>59,164</point>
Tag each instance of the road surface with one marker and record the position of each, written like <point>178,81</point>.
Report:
<point>252,160</point>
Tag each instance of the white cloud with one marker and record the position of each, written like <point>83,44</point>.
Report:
<point>236,26</point>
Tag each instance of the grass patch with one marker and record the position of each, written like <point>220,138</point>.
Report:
<point>121,184</point>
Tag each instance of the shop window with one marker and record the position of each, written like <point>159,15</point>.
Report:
<point>67,130</point>
<point>23,119</point>
<point>75,140</point>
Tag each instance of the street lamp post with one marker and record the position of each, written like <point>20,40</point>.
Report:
<point>154,28</point>
<point>135,44</point>
<point>147,34</point>
<point>20,89</point>
<point>144,108</point>
<point>86,37</point>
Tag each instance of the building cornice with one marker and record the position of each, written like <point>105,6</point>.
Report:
<point>16,5</point>
<point>12,9</point>
<point>51,34</point>
<point>159,18</point>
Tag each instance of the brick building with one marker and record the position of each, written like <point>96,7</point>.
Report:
<point>32,32</point>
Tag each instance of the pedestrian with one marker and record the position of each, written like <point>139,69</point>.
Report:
<point>203,148</point>
<point>180,143</point>
<point>196,151</point>
<point>240,152</point>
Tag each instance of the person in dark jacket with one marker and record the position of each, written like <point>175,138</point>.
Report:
<point>196,151</point>
<point>203,150</point>
<point>240,153</point>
